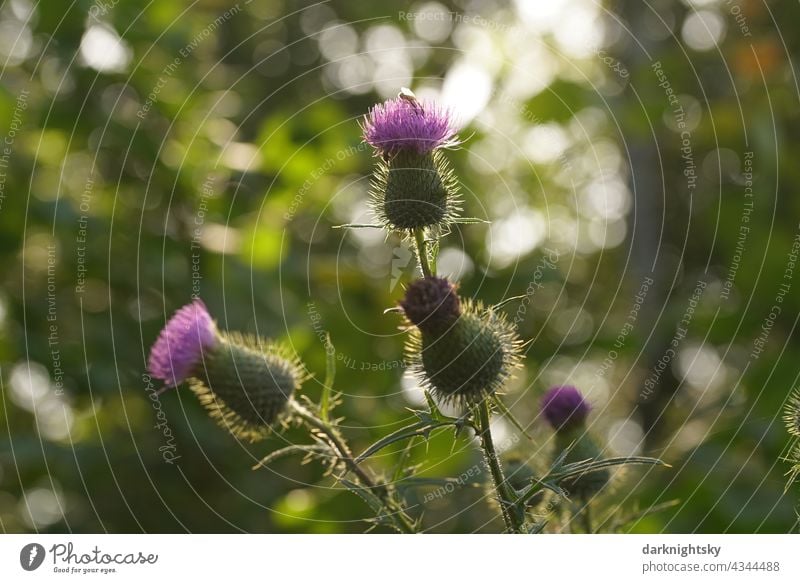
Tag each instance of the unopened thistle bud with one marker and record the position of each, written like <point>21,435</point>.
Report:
<point>243,382</point>
<point>246,384</point>
<point>459,350</point>
<point>566,410</point>
<point>431,304</point>
<point>413,186</point>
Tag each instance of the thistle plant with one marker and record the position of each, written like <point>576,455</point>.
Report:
<point>461,350</point>
<point>566,410</point>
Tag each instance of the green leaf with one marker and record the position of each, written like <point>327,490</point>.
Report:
<point>432,406</point>
<point>365,494</point>
<point>310,449</point>
<point>639,514</point>
<point>537,527</point>
<point>357,226</point>
<point>588,466</point>
<point>421,428</point>
<point>400,467</point>
<point>508,301</point>
<point>537,486</point>
<point>432,481</point>
<point>330,376</point>
<point>375,504</point>
<point>507,413</point>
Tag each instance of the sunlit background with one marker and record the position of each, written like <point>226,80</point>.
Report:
<point>156,150</point>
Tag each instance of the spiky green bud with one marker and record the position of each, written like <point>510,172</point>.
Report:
<point>467,360</point>
<point>413,190</point>
<point>245,383</point>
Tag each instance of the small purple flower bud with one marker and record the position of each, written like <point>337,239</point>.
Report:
<point>408,124</point>
<point>431,304</point>
<point>181,344</point>
<point>564,407</point>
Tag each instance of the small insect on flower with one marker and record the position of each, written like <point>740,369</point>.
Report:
<point>791,413</point>
<point>405,123</point>
<point>408,95</point>
<point>182,343</point>
<point>459,350</point>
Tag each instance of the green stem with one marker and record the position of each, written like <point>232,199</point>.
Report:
<point>422,252</point>
<point>503,490</point>
<point>346,456</point>
<point>587,516</point>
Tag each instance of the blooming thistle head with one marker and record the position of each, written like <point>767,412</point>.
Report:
<point>246,384</point>
<point>405,124</point>
<point>413,186</point>
<point>182,343</point>
<point>459,350</point>
<point>565,408</point>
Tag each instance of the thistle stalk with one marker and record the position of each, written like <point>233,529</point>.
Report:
<point>514,520</point>
<point>422,252</point>
<point>345,455</point>
<point>502,488</point>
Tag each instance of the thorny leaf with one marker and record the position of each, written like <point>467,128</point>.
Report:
<point>326,403</point>
<point>429,420</point>
<point>376,505</point>
<point>308,450</point>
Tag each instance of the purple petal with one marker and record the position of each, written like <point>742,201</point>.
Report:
<point>399,124</point>
<point>181,343</point>
<point>564,407</point>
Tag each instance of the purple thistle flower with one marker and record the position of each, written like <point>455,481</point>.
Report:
<point>408,124</point>
<point>181,343</point>
<point>564,407</point>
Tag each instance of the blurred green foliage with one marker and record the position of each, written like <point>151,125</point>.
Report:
<point>157,150</point>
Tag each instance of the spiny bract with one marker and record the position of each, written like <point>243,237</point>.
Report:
<point>791,414</point>
<point>413,191</point>
<point>246,384</point>
<point>468,361</point>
